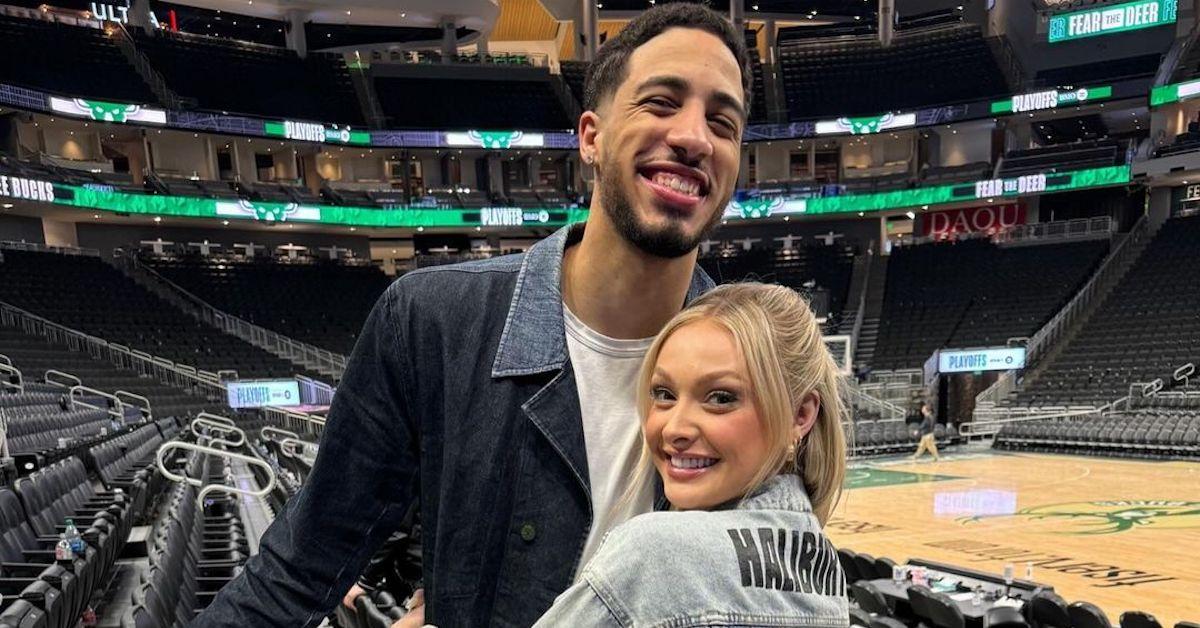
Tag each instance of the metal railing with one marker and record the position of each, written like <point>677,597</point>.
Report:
<point>68,380</point>
<point>313,392</point>
<point>116,410</point>
<point>861,398</point>
<point>427,57</point>
<point>35,247</point>
<point>268,430</point>
<point>299,422</point>
<point>211,488</point>
<point>202,383</point>
<point>287,348</point>
<point>136,401</point>
<point>986,402</point>
<point>222,427</point>
<point>1058,231</point>
<point>9,371</point>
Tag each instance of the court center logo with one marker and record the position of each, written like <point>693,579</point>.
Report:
<point>495,139</point>
<point>1110,517</point>
<point>757,207</point>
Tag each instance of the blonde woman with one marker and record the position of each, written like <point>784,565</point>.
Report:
<point>741,419</point>
<point>740,408</point>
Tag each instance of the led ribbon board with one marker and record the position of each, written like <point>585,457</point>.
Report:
<point>972,360</point>
<point>104,111</point>
<point>275,213</point>
<point>1051,99</point>
<point>495,139</point>
<point>1116,18</point>
<point>867,125</point>
<point>258,394</point>
<point>765,207</point>
<point>107,199</point>
<point>313,132</point>
<point>1174,93</point>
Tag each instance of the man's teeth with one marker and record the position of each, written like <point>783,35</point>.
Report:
<point>678,183</point>
<point>692,463</point>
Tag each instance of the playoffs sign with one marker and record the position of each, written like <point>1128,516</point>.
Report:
<point>987,219</point>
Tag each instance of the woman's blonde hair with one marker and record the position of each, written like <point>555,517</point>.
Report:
<point>787,359</point>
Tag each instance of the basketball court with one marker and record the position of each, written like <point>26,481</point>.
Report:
<point>1122,534</point>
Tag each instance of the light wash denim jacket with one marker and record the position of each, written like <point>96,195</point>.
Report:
<point>765,562</point>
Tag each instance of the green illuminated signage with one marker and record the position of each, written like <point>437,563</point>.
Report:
<point>313,132</point>
<point>1174,93</point>
<point>1111,19</point>
<point>104,111</point>
<point>955,193</point>
<point>1051,99</point>
<point>412,217</point>
<point>866,125</point>
<point>190,207</point>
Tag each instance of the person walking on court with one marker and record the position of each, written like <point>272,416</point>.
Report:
<point>928,441</point>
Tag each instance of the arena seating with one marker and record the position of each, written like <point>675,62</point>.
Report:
<point>894,436</point>
<point>1145,433</point>
<point>1060,158</point>
<point>974,293</point>
<point>1145,328</point>
<point>323,303</point>
<point>922,67</point>
<point>36,52</point>
<point>1089,74</point>
<point>34,355</point>
<point>86,294</point>
<point>829,266</point>
<point>276,82</point>
<point>192,553</point>
<point>574,74</point>
<point>478,104</point>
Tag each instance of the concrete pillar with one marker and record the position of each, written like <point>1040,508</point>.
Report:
<point>139,14</point>
<point>588,36</point>
<point>294,31</point>
<point>737,14</point>
<point>449,40</point>
<point>481,46</point>
<point>495,174</point>
<point>887,21</point>
<point>771,35</point>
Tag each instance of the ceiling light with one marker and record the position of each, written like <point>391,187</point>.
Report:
<point>158,219</point>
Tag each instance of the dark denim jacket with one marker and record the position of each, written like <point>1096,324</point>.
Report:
<point>459,393</point>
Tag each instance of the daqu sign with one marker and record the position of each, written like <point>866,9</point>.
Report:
<point>986,219</point>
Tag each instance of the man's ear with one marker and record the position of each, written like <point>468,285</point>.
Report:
<point>806,415</point>
<point>589,137</point>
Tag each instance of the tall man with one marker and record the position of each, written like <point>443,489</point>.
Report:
<point>499,393</point>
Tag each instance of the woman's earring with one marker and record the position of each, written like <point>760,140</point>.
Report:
<point>791,452</point>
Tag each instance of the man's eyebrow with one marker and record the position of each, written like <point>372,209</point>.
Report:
<point>678,84</point>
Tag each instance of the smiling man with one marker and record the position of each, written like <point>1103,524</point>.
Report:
<point>499,394</point>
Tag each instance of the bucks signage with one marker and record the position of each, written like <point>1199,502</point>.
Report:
<point>1111,19</point>
<point>24,189</point>
<point>867,125</point>
<point>496,139</point>
<point>313,132</point>
<point>104,111</point>
<point>1051,99</point>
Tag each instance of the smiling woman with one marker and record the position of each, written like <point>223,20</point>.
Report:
<point>741,412</point>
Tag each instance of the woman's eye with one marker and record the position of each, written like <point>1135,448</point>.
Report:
<point>661,394</point>
<point>721,397</point>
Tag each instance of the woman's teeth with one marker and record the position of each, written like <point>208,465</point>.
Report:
<point>692,463</point>
<point>678,183</point>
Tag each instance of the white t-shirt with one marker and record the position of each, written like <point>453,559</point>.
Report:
<point>606,375</point>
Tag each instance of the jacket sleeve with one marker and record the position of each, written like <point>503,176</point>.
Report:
<point>581,606</point>
<point>361,485</point>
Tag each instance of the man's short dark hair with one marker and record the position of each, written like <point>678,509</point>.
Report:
<point>607,71</point>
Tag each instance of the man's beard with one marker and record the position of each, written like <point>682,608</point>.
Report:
<point>669,241</point>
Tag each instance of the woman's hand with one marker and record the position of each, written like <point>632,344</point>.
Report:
<point>354,592</point>
<point>416,612</point>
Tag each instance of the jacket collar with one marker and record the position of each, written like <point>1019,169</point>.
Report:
<point>781,492</point>
<point>534,337</point>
